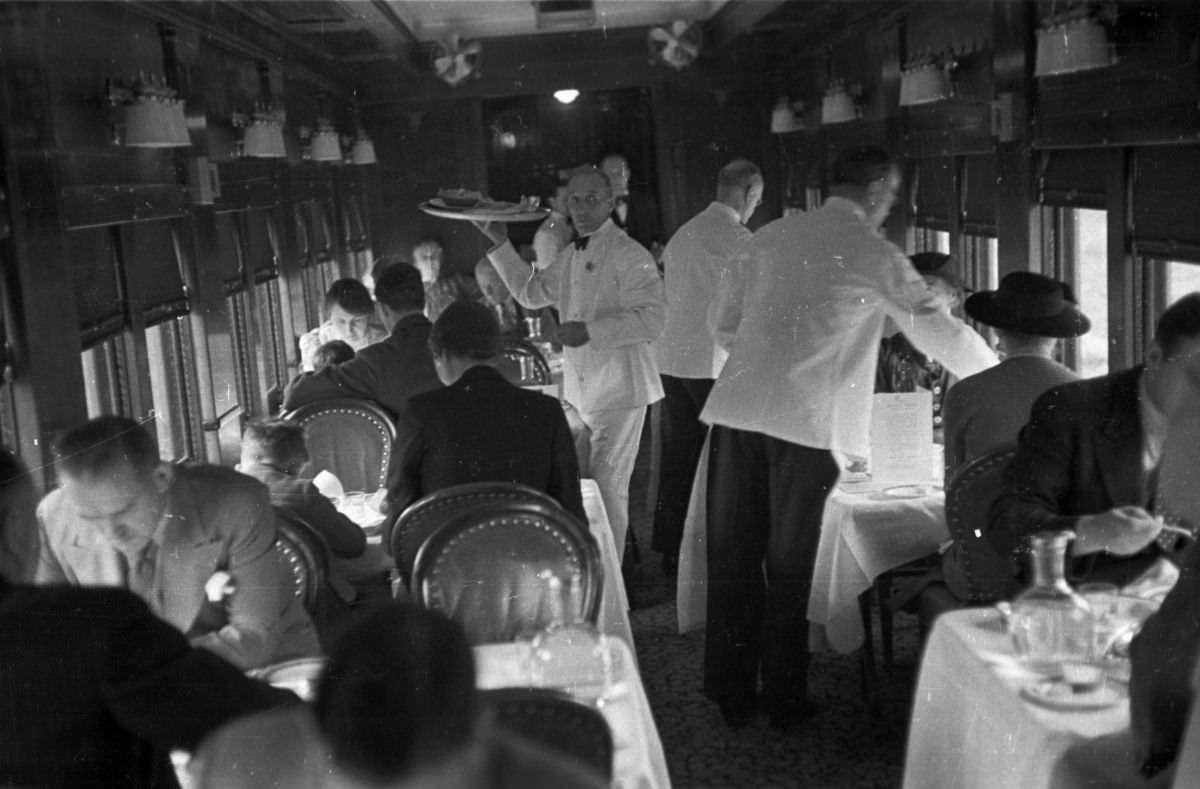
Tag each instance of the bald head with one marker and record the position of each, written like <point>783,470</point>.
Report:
<point>740,186</point>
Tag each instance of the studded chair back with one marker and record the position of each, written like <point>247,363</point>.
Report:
<point>974,570</point>
<point>553,719</point>
<point>525,364</point>
<point>306,554</point>
<point>489,569</point>
<point>351,439</point>
<point>425,515</point>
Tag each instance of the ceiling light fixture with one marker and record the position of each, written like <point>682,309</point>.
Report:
<point>566,95</point>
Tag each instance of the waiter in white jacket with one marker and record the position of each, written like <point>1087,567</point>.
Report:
<point>609,295</point>
<point>817,288</point>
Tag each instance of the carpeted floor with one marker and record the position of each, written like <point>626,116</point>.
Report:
<point>846,744</point>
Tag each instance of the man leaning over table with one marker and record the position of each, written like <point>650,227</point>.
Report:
<point>798,386</point>
<point>1088,459</point>
<point>122,517</point>
<point>697,261</point>
<point>610,297</point>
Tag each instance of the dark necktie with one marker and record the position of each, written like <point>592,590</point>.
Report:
<point>581,242</point>
<point>140,575</point>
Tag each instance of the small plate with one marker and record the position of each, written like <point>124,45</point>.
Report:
<point>1057,694</point>
<point>909,491</point>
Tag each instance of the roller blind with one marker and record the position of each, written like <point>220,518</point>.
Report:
<point>150,258</point>
<point>322,230</point>
<point>935,202</point>
<point>92,258</point>
<point>1166,213</point>
<point>261,252</point>
<point>1073,178</point>
<point>229,253</point>
<point>979,195</point>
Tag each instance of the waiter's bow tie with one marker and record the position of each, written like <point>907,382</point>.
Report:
<point>581,242</point>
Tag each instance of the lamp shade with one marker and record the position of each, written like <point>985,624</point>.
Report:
<point>363,151</point>
<point>1074,45</point>
<point>925,84</point>
<point>784,118</point>
<point>837,106</point>
<point>152,122</point>
<point>326,147</point>
<point>264,140</point>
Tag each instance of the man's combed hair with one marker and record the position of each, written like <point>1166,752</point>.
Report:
<point>399,288</point>
<point>1179,323</point>
<point>278,442</point>
<point>398,694</point>
<point>468,330</point>
<point>104,443</point>
<point>861,164</point>
<point>738,174</point>
<point>351,295</point>
<point>591,169</point>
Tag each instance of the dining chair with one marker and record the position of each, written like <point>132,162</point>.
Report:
<point>421,518</point>
<point>527,366</point>
<point>491,568</point>
<point>554,719</point>
<point>974,571</point>
<point>351,439</point>
<point>306,554</point>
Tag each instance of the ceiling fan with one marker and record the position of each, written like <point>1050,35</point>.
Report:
<point>677,45</point>
<point>456,59</point>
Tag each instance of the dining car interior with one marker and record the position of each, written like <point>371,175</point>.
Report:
<point>629,393</point>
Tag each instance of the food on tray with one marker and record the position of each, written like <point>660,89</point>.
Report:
<point>460,198</point>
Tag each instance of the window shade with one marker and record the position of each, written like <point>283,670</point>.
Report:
<point>356,229</point>
<point>979,195</point>
<point>261,255</point>
<point>229,253</point>
<point>92,258</point>
<point>150,257</point>
<point>1166,215</point>
<point>1073,178</point>
<point>303,237</point>
<point>322,231</point>
<point>935,202</point>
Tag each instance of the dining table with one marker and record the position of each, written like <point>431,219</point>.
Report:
<point>638,758</point>
<point>867,528</point>
<point>614,600</point>
<point>979,720</point>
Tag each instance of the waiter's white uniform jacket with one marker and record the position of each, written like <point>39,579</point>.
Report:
<point>817,289</point>
<point>697,261</point>
<point>613,286</point>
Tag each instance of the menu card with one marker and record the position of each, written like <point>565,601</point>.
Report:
<point>902,437</point>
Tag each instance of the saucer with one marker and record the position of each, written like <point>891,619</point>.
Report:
<point>1057,694</point>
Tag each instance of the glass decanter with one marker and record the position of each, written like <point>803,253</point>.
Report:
<point>1051,624</point>
<point>570,653</point>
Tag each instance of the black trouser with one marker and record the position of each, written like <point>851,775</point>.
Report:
<point>682,439</point>
<point>765,501</point>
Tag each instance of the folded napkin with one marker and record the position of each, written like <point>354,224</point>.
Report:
<point>329,485</point>
<point>1155,582</point>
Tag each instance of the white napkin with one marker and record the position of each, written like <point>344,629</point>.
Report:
<point>1155,582</point>
<point>329,485</point>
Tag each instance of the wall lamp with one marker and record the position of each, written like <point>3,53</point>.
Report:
<point>925,80</point>
<point>1071,42</point>
<point>149,113</point>
<point>838,105</point>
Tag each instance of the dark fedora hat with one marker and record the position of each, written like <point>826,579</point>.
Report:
<point>1032,304</point>
<point>937,264</point>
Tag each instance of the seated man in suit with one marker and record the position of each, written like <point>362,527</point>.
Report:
<point>349,317</point>
<point>1088,458</point>
<point>984,412</point>
<point>196,543</point>
<point>480,427</point>
<point>387,372</point>
<point>97,690</point>
<point>396,706</point>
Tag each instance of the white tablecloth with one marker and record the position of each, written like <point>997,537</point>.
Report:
<point>970,726</point>
<point>614,602</point>
<point>864,533</point>
<point>638,762</point>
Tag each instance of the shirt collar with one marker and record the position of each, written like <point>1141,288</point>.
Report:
<point>725,209</point>
<point>604,228</point>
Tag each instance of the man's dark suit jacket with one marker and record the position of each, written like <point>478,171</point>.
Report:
<point>481,428</point>
<point>387,372</point>
<point>641,220</point>
<point>95,690</point>
<point>1080,454</point>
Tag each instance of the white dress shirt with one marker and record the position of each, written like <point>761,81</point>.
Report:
<point>818,287</point>
<point>613,286</point>
<point>696,261</point>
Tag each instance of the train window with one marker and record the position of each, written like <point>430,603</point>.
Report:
<point>981,264</point>
<point>105,382</point>
<point>1181,279</point>
<point>176,415</point>
<point>1082,250</point>
<point>930,240</point>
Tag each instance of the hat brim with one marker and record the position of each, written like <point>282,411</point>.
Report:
<point>948,276</point>
<point>1069,322</point>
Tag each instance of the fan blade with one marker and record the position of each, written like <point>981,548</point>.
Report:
<point>660,35</point>
<point>679,27</point>
<point>472,48</point>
